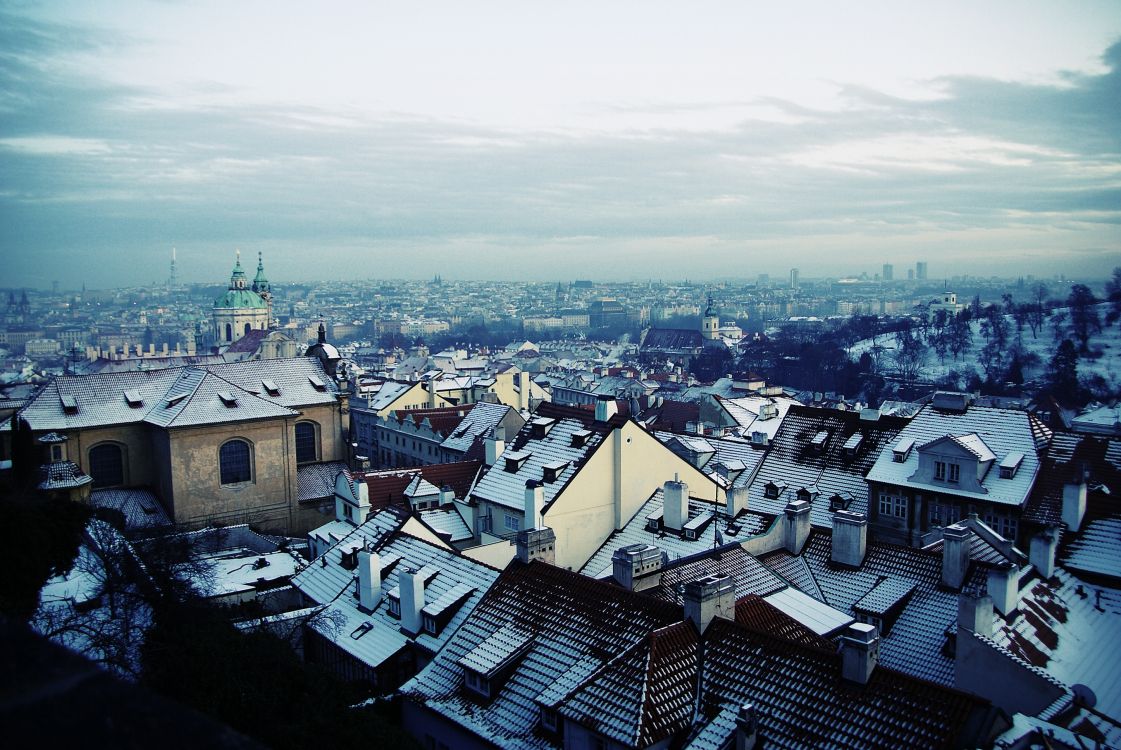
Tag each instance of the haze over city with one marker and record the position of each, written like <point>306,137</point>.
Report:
<point>529,141</point>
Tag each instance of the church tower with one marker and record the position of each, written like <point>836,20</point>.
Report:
<point>261,286</point>
<point>710,324</point>
<point>240,310</point>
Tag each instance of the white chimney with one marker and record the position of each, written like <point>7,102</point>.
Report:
<point>675,504</point>
<point>537,544</point>
<point>955,555</point>
<point>447,495</point>
<point>797,529</point>
<point>411,587</point>
<point>850,538</point>
<point>369,580</point>
<point>1041,553</point>
<point>975,612</point>
<point>709,597</point>
<point>534,502</point>
<point>736,500</point>
<point>495,444</point>
<point>1074,503</point>
<point>432,392</point>
<point>1004,588</point>
<point>860,652</point>
<point>606,408</point>
<point>637,567</point>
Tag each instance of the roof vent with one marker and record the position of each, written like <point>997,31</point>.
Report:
<point>270,388</point>
<point>515,460</point>
<point>1010,465</point>
<point>132,396</point>
<point>228,399</point>
<point>316,383</point>
<point>902,450</point>
<point>951,401</point>
<point>580,438</point>
<point>818,442</point>
<point>852,445</point>
<point>69,404</point>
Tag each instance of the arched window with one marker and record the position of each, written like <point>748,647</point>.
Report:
<point>247,328</point>
<point>229,332</point>
<point>307,442</point>
<point>107,465</point>
<point>235,462</point>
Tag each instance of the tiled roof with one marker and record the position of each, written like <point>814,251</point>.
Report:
<point>751,576</point>
<point>671,340</point>
<point>140,507</point>
<point>670,415</point>
<point>1068,456</point>
<point>194,391</point>
<point>717,454</point>
<point>317,481</point>
<point>575,622</point>
<point>62,475</point>
<point>248,343</point>
<point>388,486</point>
<point>447,521</point>
<point>988,432</point>
<point>794,463</point>
<point>323,582</point>
<point>675,544</point>
<point>646,694</point>
<point>480,420</point>
<point>800,700</point>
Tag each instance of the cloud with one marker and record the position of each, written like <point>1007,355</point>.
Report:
<point>100,180</point>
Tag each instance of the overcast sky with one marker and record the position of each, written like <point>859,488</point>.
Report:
<point>558,140</point>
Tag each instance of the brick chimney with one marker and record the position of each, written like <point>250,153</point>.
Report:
<point>534,502</point>
<point>369,580</point>
<point>709,597</point>
<point>1041,552</point>
<point>797,529</point>
<point>606,408</point>
<point>537,544</point>
<point>411,588</point>
<point>850,538</point>
<point>1004,588</point>
<point>675,504</point>
<point>637,567</point>
<point>975,612</point>
<point>860,652</point>
<point>494,445</point>
<point>955,555</point>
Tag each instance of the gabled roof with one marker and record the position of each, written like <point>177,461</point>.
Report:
<point>988,432</point>
<point>388,486</point>
<point>181,396</point>
<point>480,420</point>
<point>793,462</point>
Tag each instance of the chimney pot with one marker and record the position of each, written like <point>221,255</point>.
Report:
<point>850,538</point>
<point>860,652</point>
<point>675,504</point>
<point>797,526</point>
<point>709,597</point>
<point>955,554</point>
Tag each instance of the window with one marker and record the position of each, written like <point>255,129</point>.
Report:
<point>955,472</point>
<point>940,471</point>
<point>307,444</point>
<point>892,506</point>
<point>56,452</point>
<point>394,607</point>
<point>476,683</point>
<point>229,332</point>
<point>107,465</point>
<point>247,328</point>
<point>235,462</point>
<point>512,523</point>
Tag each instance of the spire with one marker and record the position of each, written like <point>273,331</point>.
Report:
<point>237,280</point>
<point>322,334</point>
<point>261,282</point>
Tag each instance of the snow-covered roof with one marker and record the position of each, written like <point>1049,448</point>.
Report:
<point>985,432</point>
<point>482,418</point>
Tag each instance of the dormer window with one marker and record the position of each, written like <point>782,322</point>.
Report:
<point>132,397</point>
<point>317,383</point>
<point>69,404</point>
<point>758,438</point>
<point>515,460</point>
<point>940,471</point>
<point>580,438</point>
<point>902,450</point>
<point>852,445</point>
<point>817,444</point>
<point>228,399</point>
<point>270,388</point>
<point>476,683</point>
<point>551,471</point>
<point>549,719</point>
<point>541,426</point>
<point>770,490</point>
<point>1010,465</point>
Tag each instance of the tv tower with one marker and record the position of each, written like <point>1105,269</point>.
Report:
<point>172,279</point>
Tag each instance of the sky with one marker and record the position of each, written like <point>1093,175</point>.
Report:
<point>552,141</point>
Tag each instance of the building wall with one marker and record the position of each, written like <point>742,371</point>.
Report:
<point>631,465</point>
<point>434,731</point>
<point>265,502</point>
<point>135,441</point>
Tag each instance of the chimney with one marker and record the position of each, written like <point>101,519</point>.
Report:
<point>860,651</point>
<point>850,538</point>
<point>747,728</point>
<point>797,529</point>
<point>955,555</point>
<point>675,504</point>
<point>606,408</point>
<point>709,597</point>
<point>495,444</point>
<point>447,495</point>
<point>411,587</point>
<point>369,580</point>
<point>1074,502</point>
<point>975,612</point>
<point>534,501</point>
<point>736,500</point>
<point>432,392</point>
<point>1004,588</point>
<point>637,567</point>
<point>537,544</point>
<point>1041,553</point>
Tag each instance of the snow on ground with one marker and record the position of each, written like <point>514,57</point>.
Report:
<point>1107,343</point>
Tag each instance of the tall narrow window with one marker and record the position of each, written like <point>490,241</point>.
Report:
<point>235,462</point>
<point>107,466</point>
<point>955,472</point>
<point>940,470</point>
<point>247,328</point>
<point>307,444</point>
<point>229,332</point>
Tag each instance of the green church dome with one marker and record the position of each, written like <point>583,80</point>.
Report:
<point>241,299</point>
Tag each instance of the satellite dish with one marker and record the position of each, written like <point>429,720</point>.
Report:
<point>1084,696</point>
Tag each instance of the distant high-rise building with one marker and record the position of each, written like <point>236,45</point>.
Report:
<point>889,272</point>
<point>764,280</point>
<point>172,279</point>
<point>793,278</point>
<point>920,270</point>
<point>910,274</point>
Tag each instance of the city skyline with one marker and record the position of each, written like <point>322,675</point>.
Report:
<point>633,142</point>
